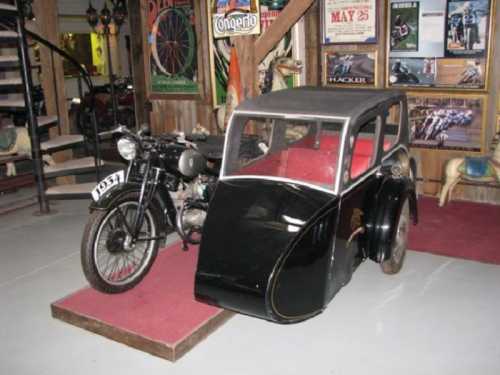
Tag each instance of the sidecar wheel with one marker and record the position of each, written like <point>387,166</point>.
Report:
<point>110,262</point>
<point>399,242</point>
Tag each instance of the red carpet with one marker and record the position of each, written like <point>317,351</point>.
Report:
<point>460,229</point>
<point>160,312</point>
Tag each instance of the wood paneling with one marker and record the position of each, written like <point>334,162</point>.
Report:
<point>313,47</point>
<point>176,112</point>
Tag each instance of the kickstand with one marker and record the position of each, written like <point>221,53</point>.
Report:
<point>185,246</point>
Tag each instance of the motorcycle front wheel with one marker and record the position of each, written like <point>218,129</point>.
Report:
<point>111,262</point>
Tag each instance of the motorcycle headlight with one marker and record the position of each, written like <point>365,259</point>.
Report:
<point>127,148</point>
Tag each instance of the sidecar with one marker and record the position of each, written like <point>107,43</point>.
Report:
<point>313,182</point>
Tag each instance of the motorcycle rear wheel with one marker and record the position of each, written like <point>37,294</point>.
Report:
<point>110,262</point>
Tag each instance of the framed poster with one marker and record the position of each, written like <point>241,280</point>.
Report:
<point>447,121</point>
<point>349,21</point>
<point>235,17</point>
<point>467,30</point>
<point>430,47</point>
<point>349,68</point>
<point>172,47</point>
<point>220,53</point>
<point>404,23</point>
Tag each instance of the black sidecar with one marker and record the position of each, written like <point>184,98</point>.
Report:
<point>328,183</point>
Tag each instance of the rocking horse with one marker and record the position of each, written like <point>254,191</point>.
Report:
<point>279,69</point>
<point>476,169</point>
<point>17,142</point>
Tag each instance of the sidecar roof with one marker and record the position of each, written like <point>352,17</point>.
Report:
<point>321,102</point>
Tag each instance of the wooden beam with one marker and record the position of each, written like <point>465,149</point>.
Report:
<point>138,65</point>
<point>287,18</point>
<point>313,45</point>
<point>248,68</point>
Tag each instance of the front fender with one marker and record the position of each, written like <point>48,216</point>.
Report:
<point>161,199</point>
<point>386,210</point>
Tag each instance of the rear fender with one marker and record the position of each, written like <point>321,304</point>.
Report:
<point>381,224</point>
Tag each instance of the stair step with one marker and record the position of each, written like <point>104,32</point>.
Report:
<point>8,10</point>
<point>11,81</point>
<point>9,60</point>
<point>10,84</point>
<point>9,7</point>
<point>71,167</point>
<point>72,191</point>
<point>4,34</point>
<point>12,158</point>
<point>12,103</point>
<point>43,121</point>
<point>61,142</point>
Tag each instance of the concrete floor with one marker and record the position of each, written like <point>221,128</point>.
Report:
<point>438,316</point>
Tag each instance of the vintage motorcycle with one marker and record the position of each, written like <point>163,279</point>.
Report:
<point>167,185</point>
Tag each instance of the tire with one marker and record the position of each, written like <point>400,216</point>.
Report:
<point>399,242</point>
<point>109,264</point>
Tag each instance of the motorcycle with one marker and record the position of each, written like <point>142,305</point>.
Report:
<point>101,103</point>
<point>167,185</point>
<point>403,77</point>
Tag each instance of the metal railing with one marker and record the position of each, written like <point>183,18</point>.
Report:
<point>83,76</point>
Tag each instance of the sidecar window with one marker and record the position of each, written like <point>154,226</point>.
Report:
<point>302,150</point>
<point>392,126</point>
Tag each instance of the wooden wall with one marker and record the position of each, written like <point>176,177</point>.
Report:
<point>164,113</point>
<point>432,162</point>
<point>183,114</point>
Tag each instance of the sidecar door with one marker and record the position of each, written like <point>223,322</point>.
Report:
<point>359,185</point>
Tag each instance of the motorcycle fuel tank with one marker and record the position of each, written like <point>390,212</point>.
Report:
<point>266,249</point>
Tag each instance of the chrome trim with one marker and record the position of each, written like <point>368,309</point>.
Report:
<point>340,158</point>
<point>278,179</point>
<point>294,116</point>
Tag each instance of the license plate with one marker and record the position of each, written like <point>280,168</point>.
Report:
<point>107,183</point>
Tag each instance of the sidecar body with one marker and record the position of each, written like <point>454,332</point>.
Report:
<point>313,182</point>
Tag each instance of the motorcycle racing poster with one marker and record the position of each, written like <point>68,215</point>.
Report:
<point>172,47</point>
<point>428,39</point>
<point>412,71</point>
<point>467,28</point>
<point>463,73</point>
<point>348,21</point>
<point>350,68</point>
<point>220,50</point>
<point>446,122</point>
<point>404,26</point>
<point>235,17</point>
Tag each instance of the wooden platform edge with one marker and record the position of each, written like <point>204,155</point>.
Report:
<point>158,349</point>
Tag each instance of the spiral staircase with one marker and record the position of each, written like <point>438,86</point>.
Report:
<point>16,96</point>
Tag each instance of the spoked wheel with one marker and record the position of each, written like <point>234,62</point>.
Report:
<point>173,41</point>
<point>111,262</point>
<point>399,243</point>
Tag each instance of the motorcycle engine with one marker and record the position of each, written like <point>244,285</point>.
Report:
<point>191,201</point>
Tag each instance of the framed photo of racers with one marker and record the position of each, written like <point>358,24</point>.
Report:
<point>439,43</point>
<point>350,68</point>
<point>447,121</point>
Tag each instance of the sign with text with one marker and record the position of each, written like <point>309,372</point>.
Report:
<point>349,21</point>
<point>235,17</point>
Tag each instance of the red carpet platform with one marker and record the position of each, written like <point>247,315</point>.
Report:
<point>460,229</point>
<point>159,316</point>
